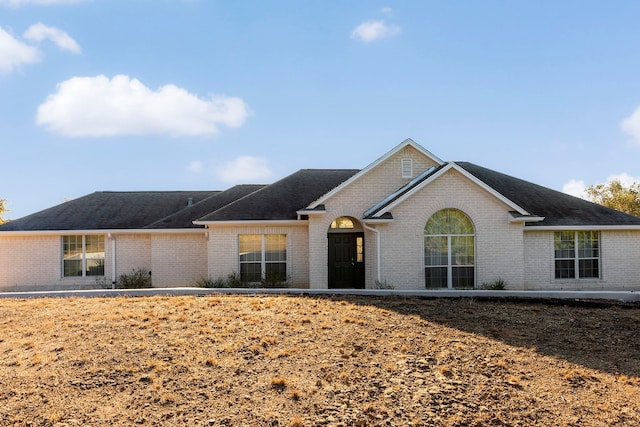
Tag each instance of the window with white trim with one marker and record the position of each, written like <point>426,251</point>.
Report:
<point>449,250</point>
<point>82,256</point>
<point>576,254</point>
<point>262,256</point>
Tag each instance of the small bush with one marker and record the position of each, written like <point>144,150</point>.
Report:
<point>383,285</point>
<point>274,280</point>
<point>234,281</point>
<point>209,282</point>
<point>496,285</point>
<point>137,279</point>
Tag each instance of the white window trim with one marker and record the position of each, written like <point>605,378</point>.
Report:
<point>84,258</point>
<point>576,259</point>
<point>450,265</point>
<point>263,261</point>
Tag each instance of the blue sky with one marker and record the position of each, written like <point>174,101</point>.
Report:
<point>202,94</point>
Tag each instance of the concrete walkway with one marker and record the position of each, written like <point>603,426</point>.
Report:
<point>593,296</point>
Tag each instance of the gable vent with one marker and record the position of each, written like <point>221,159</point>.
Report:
<point>407,168</point>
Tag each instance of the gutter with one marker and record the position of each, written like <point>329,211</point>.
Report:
<point>108,231</point>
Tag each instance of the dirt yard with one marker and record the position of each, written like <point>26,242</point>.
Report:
<point>316,361</point>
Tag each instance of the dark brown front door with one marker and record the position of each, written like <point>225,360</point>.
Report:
<point>346,260</point>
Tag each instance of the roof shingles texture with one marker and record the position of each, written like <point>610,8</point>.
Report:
<point>558,209</point>
<point>282,199</point>
<point>107,210</point>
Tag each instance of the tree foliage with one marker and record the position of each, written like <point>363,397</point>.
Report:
<point>3,210</point>
<point>617,196</point>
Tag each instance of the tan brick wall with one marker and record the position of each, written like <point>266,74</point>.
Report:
<point>133,251</point>
<point>178,259</point>
<point>34,262</point>
<point>352,201</point>
<point>619,262</point>
<point>499,243</point>
<point>223,250</point>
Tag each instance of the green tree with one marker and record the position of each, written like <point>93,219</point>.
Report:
<point>3,209</point>
<point>617,196</point>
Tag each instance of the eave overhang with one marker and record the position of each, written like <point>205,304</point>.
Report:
<point>247,223</point>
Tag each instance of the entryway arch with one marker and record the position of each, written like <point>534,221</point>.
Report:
<point>346,253</point>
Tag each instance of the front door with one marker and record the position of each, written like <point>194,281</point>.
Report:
<point>346,260</point>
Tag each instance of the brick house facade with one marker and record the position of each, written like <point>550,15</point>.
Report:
<point>408,220</point>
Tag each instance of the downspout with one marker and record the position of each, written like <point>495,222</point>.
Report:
<point>113,261</point>
<point>377,247</point>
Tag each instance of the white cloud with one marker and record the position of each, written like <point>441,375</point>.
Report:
<point>18,3</point>
<point>631,125</point>
<point>386,10</point>
<point>624,178</point>
<point>14,53</point>
<point>195,166</point>
<point>99,106</point>
<point>244,169</point>
<point>38,32</point>
<point>575,188</point>
<point>374,30</point>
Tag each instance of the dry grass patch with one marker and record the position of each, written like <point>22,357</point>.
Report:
<point>316,361</point>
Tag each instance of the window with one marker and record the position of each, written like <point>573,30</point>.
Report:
<point>449,250</point>
<point>407,168</point>
<point>577,254</point>
<point>263,256</point>
<point>82,256</point>
<point>342,222</point>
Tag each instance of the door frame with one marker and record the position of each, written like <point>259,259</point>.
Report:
<point>358,260</point>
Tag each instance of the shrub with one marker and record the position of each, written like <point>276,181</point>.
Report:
<point>274,280</point>
<point>135,280</point>
<point>383,285</point>
<point>209,282</point>
<point>234,281</point>
<point>496,285</point>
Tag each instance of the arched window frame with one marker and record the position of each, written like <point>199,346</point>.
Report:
<point>449,250</point>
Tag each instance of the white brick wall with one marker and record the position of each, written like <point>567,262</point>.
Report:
<point>619,262</point>
<point>178,259</point>
<point>34,262</point>
<point>223,250</point>
<point>499,243</point>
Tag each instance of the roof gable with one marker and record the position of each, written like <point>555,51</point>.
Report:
<point>428,176</point>
<point>406,143</point>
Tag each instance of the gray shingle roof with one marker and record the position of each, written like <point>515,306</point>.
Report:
<point>282,199</point>
<point>559,209</point>
<point>107,210</point>
<point>185,217</point>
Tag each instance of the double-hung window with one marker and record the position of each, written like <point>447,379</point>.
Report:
<point>577,254</point>
<point>83,256</point>
<point>263,256</point>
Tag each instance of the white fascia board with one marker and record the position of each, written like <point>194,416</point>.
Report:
<point>106,231</point>
<point>453,165</point>
<point>527,219</point>
<point>583,228</point>
<point>397,148</point>
<point>261,223</point>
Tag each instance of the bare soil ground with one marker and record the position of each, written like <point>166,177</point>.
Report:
<point>316,361</point>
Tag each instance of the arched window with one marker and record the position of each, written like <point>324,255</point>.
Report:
<point>342,222</point>
<point>449,250</point>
